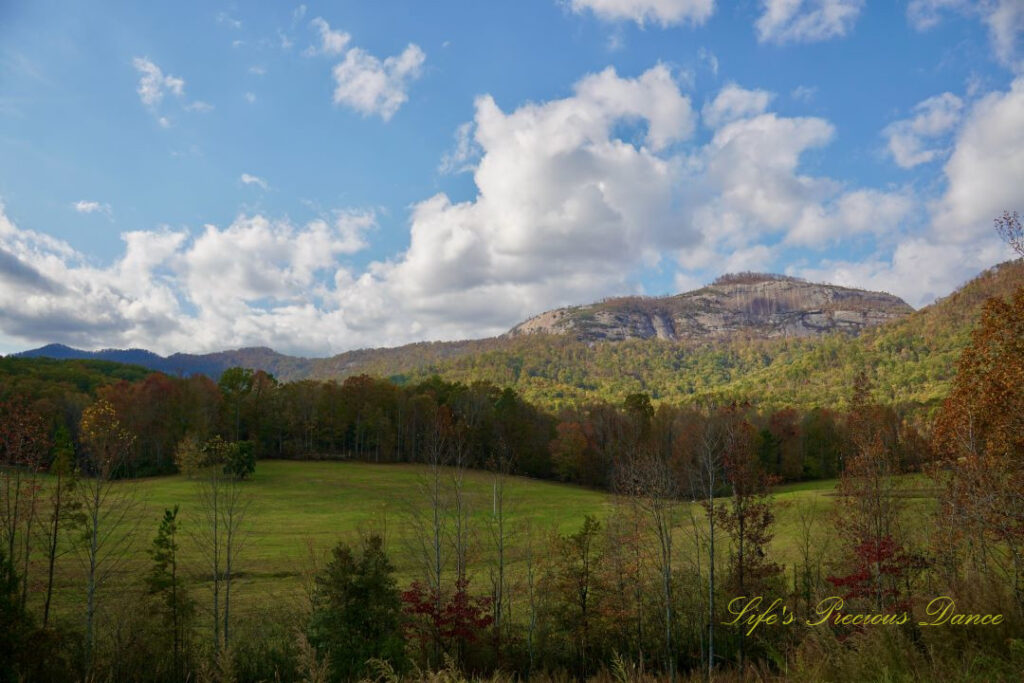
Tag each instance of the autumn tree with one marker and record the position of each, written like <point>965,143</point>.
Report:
<point>1008,226</point>
<point>649,481</point>
<point>573,581</point>
<point>868,509</point>
<point>979,436</point>
<point>748,516</point>
<point>24,443</point>
<point>106,507</point>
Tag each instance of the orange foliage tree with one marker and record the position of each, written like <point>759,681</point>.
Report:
<point>979,436</point>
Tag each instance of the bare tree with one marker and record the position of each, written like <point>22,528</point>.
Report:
<point>532,571</point>
<point>712,442</point>
<point>650,482</point>
<point>224,503</point>
<point>428,525</point>
<point>1010,229</point>
<point>64,512</point>
<point>107,534</point>
<point>23,445</point>
<point>501,533</point>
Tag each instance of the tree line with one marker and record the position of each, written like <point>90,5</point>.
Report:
<point>657,587</point>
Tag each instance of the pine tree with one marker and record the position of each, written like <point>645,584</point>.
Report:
<point>357,611</point>
<point>165,583</point>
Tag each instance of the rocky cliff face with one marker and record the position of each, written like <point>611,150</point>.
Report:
<point>756,305</point>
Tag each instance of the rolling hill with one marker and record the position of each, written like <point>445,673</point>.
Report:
<point>771,339</point>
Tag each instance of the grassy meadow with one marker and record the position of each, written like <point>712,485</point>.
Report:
<point>299,510</point>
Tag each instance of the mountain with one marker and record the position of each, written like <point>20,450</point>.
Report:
<point>210,364</point>
<point>911,359</point>
<point>769,339</point>
<point>750,304</point>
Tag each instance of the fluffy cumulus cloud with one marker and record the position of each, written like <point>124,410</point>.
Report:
<point>909,140</point>
<point>663,12</point>
<point>254,279</point>
<point>1004,19</point>
<point>919,269</point>
<point>806,21</point>
<point>373,86</point>
<point>575,198</point>
<point>981,179</point>
<point>365,82</point>
<point>733,102</point>
<point>985,171</point>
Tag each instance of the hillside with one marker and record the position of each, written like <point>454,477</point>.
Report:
<point>748,304</point>
<point>774,340</point>
<point>911,359</point>
<point>179,364</point>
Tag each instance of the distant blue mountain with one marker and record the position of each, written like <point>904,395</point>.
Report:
<point>185,364</point>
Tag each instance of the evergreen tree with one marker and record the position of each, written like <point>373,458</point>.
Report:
<point>357,611</point>
<point>164,582</point>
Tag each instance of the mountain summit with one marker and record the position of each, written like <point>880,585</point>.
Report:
<point>737,306</point>
<point>756,305</point>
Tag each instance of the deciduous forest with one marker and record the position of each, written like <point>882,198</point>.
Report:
<point>909,565</point>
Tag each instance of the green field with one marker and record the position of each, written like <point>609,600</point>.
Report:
<point>299,510</point>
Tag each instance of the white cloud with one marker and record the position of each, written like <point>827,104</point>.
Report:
<point>199,106</point>
<point>154,84</point>
<point>575,199</point>
<point>804,93</point>
<point>332,42</point>
<point>253,180</point>
<point>983,177</point>
<point>250,97</point>
<point>919,269</point>
<point>806,21</point>
<point>934,118</point>
<point>1004,19</point>
<point>708,57</point>
<point>733,102</point>
<point>852,213</point>
<point>461,158</point>
<point>985,171</point>
<point>255,279</point>
<point>371,86</point>
<point>257,71</point>
<point>664,12</point>
<point>89,206</point>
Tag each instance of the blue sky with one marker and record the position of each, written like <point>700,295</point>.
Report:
<point>313,177</point>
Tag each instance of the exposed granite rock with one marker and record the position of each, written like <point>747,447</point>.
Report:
<point>763,306</point>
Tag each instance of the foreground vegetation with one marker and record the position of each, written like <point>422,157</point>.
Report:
<point>684,559</point>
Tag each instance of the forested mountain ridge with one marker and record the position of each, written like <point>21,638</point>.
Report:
<point>748,304</point>
<point>910,360</point>
<point>911,356</point>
